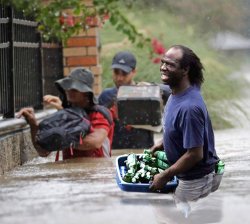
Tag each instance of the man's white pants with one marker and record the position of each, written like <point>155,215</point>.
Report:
<point>192,190</point>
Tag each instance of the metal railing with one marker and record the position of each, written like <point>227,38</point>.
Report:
<point>28,67</point>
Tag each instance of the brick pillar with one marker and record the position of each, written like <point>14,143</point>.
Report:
<point>82,50</point>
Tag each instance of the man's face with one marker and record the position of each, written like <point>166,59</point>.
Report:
<point>77,98</point>
<point>121,78</point>
<point>171,72</point>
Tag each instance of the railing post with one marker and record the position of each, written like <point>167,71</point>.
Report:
<point>11,94</point>
<point>41,70</point>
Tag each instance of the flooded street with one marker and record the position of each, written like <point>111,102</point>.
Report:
<point>72,54</point>
<point>85,191</point>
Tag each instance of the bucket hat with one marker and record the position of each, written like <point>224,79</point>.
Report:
<point>80,79</point>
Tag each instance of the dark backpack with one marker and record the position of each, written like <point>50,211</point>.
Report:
<point>63,129</point>
<point>104,111</point>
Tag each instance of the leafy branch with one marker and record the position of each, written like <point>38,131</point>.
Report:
<point>60,19</point>
<point>120,22</point>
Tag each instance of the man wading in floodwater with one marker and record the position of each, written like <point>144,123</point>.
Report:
<point>188,137</point>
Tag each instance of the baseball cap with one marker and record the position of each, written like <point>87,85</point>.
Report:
<point>80,79</point>
<point>124,60</point>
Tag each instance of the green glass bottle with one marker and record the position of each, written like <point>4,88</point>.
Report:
<point>220,167</point>
<point>152,170</point>
<point>161,164</point>
<point>131,161</point>
<point>161,155</point>
<point>128,177</point>
<point>147,151</point>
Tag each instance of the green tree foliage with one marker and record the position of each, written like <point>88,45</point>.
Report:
<point>55,23</point>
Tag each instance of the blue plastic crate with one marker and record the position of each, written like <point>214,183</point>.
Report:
<point>137,187</point>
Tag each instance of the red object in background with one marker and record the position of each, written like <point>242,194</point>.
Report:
<point>106,16</point>
<point>66,20</point>
<point>158,47</point>
<point>61,20</point>
<point>128,127</point>
<point>91,21</point>
<point>156,60</point>
<point>103,19</point>
<point>70,21</point>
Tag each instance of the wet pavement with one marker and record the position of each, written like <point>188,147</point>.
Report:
<point>85,191</point>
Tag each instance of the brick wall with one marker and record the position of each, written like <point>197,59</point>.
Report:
<point>82,50</point>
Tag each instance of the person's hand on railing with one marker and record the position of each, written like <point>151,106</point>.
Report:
<point>29,116</point>
<point>54,101</point>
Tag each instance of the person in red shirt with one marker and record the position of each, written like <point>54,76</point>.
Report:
<point>77,91</point>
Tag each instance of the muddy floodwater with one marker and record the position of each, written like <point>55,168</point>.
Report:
<point>85,191</point>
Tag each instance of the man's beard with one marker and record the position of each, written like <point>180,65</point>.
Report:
<point>173,80</point>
